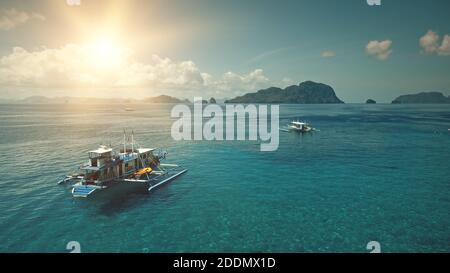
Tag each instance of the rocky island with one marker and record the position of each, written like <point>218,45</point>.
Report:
<point>305,93</point>
<point>422,98</point>
<point>370,101</point>
<point>165,99</point>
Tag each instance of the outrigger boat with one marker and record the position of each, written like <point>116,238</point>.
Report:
<point>301,127</point>
<point>107,168</point>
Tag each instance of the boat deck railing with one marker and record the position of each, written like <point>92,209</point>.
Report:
<point>128,157</point>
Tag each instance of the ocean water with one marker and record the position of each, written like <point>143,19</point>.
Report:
<point>372,172</point>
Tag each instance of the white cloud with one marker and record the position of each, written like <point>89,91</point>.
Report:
<point>379,49</point>
<point>11,18</point>
<point>287,81</point>
<point>159,72</point>
<point>431,44</point>
<point>328,54</point>
<point>84,66</point>
<point>237,83</point>
<point>444,49</point>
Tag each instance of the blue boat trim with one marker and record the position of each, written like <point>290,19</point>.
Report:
<point>83,191</point>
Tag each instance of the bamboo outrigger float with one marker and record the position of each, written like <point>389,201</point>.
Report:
<point>107,168</point>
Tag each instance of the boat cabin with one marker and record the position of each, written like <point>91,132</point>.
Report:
<point>98,158</point>
<point>298,124</point>
<point>104,165</point>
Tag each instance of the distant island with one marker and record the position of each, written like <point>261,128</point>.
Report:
<point>93,100</point>
<point>75,100</point>
<point>305,93</point>
<point>165,99</point>
<point>422,98</point>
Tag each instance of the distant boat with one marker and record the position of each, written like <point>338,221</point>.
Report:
<point>129,109</point>
<point>299,126</point>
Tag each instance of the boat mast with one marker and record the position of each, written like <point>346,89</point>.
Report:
<point>132,141</point>
<point>124,143</point>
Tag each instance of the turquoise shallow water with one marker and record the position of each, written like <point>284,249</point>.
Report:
<point>373,172</point>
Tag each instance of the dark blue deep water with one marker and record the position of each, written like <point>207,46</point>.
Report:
<point>372,172</point>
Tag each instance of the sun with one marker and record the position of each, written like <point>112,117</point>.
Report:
<point>105,49</point>
<point>106,53</point>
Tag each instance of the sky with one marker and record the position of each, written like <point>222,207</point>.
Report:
<point>187,48</point>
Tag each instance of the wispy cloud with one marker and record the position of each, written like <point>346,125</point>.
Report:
<point>328,54</point>
<point>431,44</point>
<point>379,49</point>
<point>11,18</point>
<point>268,54</point>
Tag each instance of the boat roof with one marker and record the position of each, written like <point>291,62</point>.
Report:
<point>105,149</point>
<point>101,150</point>
<point>298,123</point>
<point>145,150</point>
<point>90,168</point>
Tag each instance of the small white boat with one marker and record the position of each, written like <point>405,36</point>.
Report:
<point>299,126</point>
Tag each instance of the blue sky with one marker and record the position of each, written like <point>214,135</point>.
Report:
<point>223,48</point>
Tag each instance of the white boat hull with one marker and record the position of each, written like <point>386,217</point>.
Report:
<point>155,180</point>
